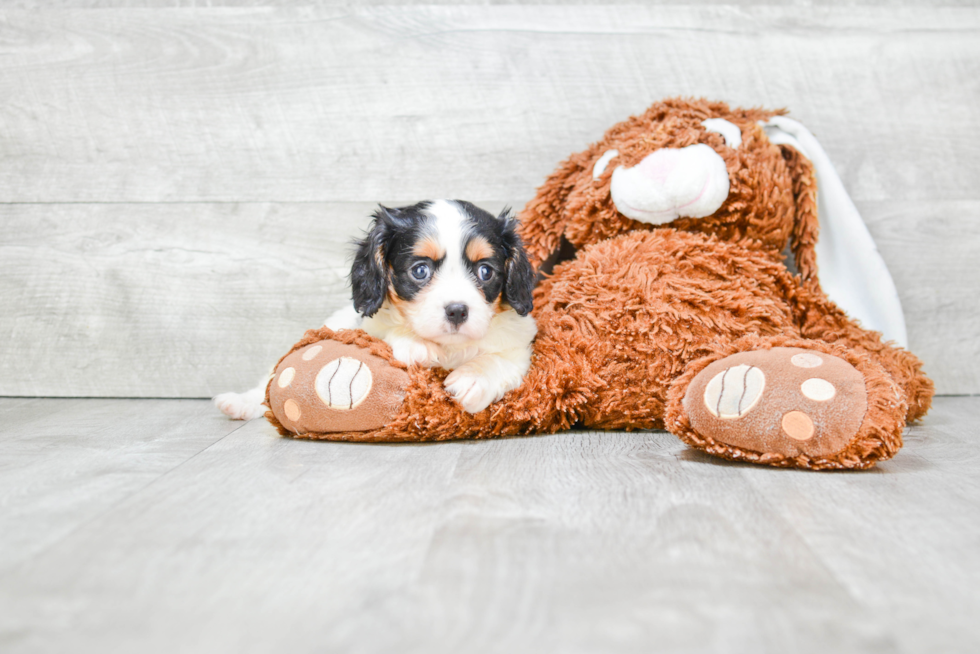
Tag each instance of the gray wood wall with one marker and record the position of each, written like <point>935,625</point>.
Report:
<point>178,184</point>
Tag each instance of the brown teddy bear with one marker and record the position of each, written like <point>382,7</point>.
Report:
<point>674,311</point>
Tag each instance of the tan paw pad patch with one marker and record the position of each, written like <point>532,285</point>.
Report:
<point>292,410</point>
<point>797,425</point>
<point>787,401</point>
<point>331,387</point>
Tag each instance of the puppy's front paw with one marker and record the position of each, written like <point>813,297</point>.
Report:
<point>241,406</point>
<point>472,391</point>
<point>410,351</point>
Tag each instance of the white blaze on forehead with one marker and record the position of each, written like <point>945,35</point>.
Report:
<point>731,133</point>
<point>452,282</point>
<point>450,230</point>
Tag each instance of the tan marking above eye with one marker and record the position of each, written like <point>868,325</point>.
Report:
<point>478,248</point>
<point>430,248</point>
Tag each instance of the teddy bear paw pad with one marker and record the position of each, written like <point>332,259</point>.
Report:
<point>785,401</point>
<point>330,387</point>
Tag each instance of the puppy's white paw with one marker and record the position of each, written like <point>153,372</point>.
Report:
<point>346,318</point>
<point>241,406</point>
<point>411,351</point>
<point>473,391</point>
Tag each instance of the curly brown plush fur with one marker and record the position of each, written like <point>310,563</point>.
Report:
<point>759,212</point>
<point>627,324</point>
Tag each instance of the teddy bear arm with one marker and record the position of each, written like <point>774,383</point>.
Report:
<point>543,220</point>
<point>806,226</point>
<point>348,385</point>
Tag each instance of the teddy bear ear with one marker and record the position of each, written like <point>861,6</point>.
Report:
<point>851,271</point>
<point>543,220</point>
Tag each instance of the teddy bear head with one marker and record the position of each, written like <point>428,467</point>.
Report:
<point>691,165</point>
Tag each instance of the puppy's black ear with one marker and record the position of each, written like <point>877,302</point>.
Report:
<point>368,275</point>
<point>519,285</point>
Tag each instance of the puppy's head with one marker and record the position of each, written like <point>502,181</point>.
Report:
<point>446,266</point>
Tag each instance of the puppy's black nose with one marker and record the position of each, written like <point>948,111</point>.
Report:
<point>457,313</point>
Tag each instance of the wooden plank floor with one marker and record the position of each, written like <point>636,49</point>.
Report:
<point>159,526</point>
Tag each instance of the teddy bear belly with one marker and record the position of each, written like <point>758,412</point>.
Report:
<point>639,307</point>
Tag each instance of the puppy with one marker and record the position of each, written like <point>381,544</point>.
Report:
<point>447,285</point>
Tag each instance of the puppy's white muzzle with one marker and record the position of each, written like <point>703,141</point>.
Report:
<point>671,183</point>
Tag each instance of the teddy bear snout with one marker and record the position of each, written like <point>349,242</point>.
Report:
<point>670,183</point>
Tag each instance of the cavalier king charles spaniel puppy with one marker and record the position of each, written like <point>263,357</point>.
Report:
<point>447,285</point>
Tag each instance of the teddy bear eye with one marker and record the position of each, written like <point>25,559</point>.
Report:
<point>731,133</point>
<point>600,165</point>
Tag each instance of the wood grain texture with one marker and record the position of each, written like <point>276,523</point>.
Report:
<point>932,249</point>
<point>66,462</point>
<point>178,184</point>
<point>184,4</point>
<point>196,299</point>
<point>577,542</point>
<point>165,300</point>
<point>359,103</point>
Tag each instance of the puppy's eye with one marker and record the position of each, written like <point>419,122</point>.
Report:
<point>421,271</point>
<point>484,272</point>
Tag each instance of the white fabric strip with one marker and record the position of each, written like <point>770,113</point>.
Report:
<point>851,270</point>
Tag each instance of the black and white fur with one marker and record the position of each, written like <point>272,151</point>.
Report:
<point>447,285</point>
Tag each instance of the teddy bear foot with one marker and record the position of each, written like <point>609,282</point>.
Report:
<point>781,406</point>
<point>328,387</point>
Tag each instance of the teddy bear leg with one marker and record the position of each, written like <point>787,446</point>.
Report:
<point>919,389</point>
<point>822,320</point>
<point>798,403</point>
<point>336,385</point>
<point>902,366</point>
